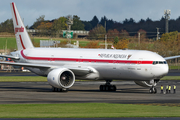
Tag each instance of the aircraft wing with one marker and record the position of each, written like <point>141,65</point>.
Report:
<point>172,57</point>
<point>8,56</point>
<point>75,70</point>
<point>26,65</point>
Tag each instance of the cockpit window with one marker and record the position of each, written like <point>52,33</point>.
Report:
<point>159,62</point>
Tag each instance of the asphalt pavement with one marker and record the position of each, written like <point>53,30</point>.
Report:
<point>84,92</point>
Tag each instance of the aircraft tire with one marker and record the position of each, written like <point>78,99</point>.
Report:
<point>53,89</point>
<point>155,91</point>
<point>107,88</point>
<point>150,90</point>
<point>64,90</point>
<point>114,88</point>
<point>101,87</point>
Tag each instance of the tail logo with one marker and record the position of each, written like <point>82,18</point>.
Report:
<point>21,29</point>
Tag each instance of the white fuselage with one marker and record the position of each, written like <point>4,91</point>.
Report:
<point>108,64</point>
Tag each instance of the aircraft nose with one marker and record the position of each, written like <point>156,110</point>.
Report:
<point>164,70</point>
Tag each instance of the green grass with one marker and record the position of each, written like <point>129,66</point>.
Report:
<point>22,79</point>
<point>86,110</point>
<point>11,41</point>
<point>174,67</point>
<point>44,79</point>
<point>171,78</point>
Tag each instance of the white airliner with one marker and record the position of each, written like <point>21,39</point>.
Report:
<point>63,65</point>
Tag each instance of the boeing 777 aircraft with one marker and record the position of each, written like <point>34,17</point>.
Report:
<point>63,65</point>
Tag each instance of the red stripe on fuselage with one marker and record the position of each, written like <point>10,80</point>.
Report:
<point>21,42</point>
<point>15,13</point>
<point>86,60</point>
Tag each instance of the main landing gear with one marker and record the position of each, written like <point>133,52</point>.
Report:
<point>54,89</point>
<point>107,86</point>
<point>153,90</point>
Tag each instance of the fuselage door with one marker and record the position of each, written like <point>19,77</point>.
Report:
<point>52,58</point>
<point>139,65</point>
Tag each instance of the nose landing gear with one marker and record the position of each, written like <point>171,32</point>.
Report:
<point>107,86</point>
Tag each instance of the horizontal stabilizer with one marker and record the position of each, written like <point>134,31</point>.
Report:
<point>8,56</point>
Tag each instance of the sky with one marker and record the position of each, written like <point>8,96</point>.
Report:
<point>117,10</point>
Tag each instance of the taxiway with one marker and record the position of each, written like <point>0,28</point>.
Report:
<point>82,92</point>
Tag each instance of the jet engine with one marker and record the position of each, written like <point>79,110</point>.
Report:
<point>61,78</point>
<point>149,83</point>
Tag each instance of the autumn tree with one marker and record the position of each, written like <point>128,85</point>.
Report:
<point>97,33</point>
<point>45,28</point>
<point>169,44</point>
<point>122,44</point>
<point>123,34</point>
<point>111,34</point>
<point>59,25</point>
<point>38,21</point>
<point>92,44</point>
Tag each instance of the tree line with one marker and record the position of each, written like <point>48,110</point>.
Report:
<point>7,26</point>
<point>129,25</point>
<point>167,45</point>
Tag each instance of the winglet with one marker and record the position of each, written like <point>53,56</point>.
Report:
<point>22,38</point>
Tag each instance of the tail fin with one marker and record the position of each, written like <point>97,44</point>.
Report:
<point>22,38</point>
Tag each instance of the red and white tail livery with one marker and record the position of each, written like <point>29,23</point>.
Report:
<point>22,38</point>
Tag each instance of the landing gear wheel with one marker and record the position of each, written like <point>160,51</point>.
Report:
<point>114,88</point>
<point>54,89</point>
<point>150,90</point>
<point>101,87</point>
<point>107,86</point>
<point>153,90</point>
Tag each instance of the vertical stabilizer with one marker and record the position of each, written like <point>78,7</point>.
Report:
<point>22,38</point>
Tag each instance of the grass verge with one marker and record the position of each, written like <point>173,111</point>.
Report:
<point>44,79</point>
<point>22,79</point>
<point>86,110</point>
<point>171,78</point>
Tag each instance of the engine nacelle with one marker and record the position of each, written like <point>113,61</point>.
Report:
<point>61,78</point>
<point>147,83</point>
